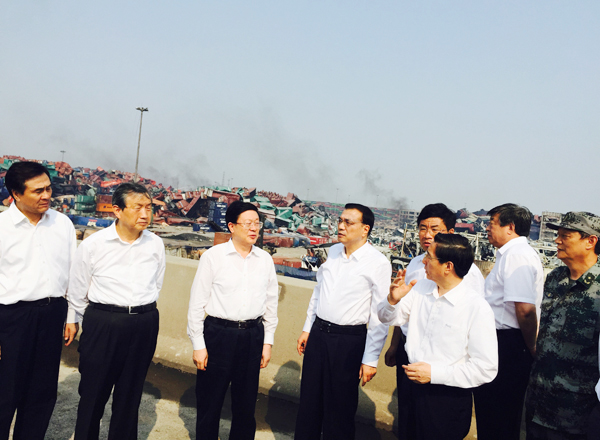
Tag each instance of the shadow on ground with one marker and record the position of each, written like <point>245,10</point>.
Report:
<point>168,408</point>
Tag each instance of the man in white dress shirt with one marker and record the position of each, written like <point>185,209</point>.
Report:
<point>116,277</point>
<point>514,290</point>
<point>451,341</point>
<point>236,286</point>
<point>433,219</point>
<point>36,248</point>
<point>338,349</point>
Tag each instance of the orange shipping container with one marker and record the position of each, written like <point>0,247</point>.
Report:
<point>221,237</point>
<point>104,207</point>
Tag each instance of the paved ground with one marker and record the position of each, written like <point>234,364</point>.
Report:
<point>168,409</point>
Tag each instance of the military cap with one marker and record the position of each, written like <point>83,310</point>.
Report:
<point>579,221</point>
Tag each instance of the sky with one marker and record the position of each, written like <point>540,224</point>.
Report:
<point>387,103</point>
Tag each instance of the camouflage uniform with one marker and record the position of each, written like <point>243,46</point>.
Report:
<point>561,391</point>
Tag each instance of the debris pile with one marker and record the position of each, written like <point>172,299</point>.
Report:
<point>85,194</point>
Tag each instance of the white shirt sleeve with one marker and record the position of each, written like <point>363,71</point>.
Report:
<point>270,316</point>
<point>311,313</point>
<point>482,347</point>
<point>396,315</point>
<point>162,264</point>
<point>72,245</point>
<point>377,331</point>
<point>519,279</point>
<point>199,297</point>
<point>80,278</point>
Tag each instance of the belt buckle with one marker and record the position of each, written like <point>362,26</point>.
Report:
<point>47,303</point>
<point>129,310</point>
<point>240,325</point>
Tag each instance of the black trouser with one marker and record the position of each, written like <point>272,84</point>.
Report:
<point>402,384</point>
<point>436,412</point>
<point>31,335</point>
<point>594,424</point>
<point>233,357</point>
<point>499,404</point>
<point>329,387</point>
<point>539,432</point>
<point>115,349</point>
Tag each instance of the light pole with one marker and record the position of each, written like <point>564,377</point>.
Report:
<point>63,155</point>
<point>137,157</point>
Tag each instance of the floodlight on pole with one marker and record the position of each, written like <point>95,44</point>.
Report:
<point>137,157</point>
<point>63,155</point>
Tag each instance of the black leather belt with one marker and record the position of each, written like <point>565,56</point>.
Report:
<point>132,310</point>
<point>37,303</point>
<point>250,323</point>
<point>330,327</point>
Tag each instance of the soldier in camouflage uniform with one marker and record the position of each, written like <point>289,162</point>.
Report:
<point>561,392</point>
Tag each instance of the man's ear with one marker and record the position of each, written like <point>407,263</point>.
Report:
<point>117,211</point>
<point>592,240</point>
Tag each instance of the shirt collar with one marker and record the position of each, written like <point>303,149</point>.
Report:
<point>112,233</point>
<point>358,253</point>
<point>17,216</point>
<point>453,296</point>
<point>230,249</point>
<point>511,243</point>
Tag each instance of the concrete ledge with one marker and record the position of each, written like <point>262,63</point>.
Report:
<point>377,403</point>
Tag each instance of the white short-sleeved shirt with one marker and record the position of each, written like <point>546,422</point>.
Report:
<point>34,259</point>
<point>108,270</point>
<point>229,286</point>
<point>517,276</point>
<point>348,292</point>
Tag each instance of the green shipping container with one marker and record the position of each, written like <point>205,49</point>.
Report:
<point>90,200</point>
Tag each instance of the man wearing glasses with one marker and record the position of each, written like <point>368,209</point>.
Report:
<point>114,284</point>
<point>451,342</point>
<point>236,286</point>
<point>338,349</point>
<point>433,219</point>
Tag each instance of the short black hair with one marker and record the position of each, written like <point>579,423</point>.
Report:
<point>438,210</point>
<point>21,172</point>
<point>236,209</point>
<point>454,248</point>
<point>368,218</point>
<point>119,197</point>
<point>515,214</point>
<point>585,235</point>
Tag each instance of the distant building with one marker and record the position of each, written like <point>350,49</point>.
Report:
<point>547,234</point>
<point>407,216</point>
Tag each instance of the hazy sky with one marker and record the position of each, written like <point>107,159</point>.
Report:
<point>472,103</point>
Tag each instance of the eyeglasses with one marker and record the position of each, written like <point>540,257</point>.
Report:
<point>433,231</point>
<point>140,208</point>
<point>248,225</point>
<point>345,221</point>
<point>429,257</point>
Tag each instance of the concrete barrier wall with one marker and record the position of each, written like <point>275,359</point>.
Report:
<point>282,377</point>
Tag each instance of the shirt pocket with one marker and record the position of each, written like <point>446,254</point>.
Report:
<point>454,340</point>
<point>579,327</point>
